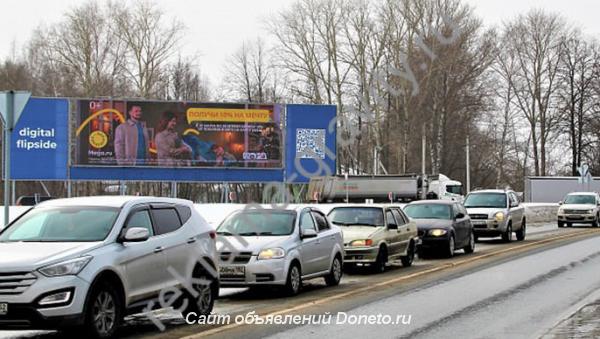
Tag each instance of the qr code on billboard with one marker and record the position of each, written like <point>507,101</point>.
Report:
<point>310,143</point>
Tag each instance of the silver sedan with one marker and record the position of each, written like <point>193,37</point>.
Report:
<point>281,247</point>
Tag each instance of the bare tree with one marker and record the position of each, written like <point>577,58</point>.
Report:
<point>536,40</point>
<point>577,98</point>
<point>149,41</point>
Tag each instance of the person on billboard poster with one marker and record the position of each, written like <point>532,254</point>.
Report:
<point>269,142</point>
<point>170,149</point>
<point>223,158</point>
<point>132,143</point>
<point>208,152</point>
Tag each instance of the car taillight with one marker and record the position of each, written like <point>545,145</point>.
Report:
<point>213,235</point>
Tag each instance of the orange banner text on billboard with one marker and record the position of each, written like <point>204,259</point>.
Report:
<point>227,115</point>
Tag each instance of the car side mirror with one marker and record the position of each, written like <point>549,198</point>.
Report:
<point>308,233</point>
<point>560,203</point>
<point>392,226</point>
<point>460,216</point>
<point>136,234</point>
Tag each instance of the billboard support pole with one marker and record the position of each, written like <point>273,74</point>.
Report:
<point>8,127</point>
<point>121,187</point>
<point>173,189</point>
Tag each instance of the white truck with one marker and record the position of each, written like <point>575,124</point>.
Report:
<point>383,188</point>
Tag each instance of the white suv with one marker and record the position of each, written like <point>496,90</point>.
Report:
<point>579,207</point>
<point>90,261</point>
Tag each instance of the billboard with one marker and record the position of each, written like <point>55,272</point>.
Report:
<point>310,142</point>
<point>126,133</point>
<point>40,141</point>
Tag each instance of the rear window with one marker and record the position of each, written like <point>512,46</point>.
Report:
<point>185,213</point>
<point>166,220</point>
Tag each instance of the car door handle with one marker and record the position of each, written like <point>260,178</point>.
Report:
<point>158,249</point>
<point>191,240</point>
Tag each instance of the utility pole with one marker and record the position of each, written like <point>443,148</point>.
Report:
<point>8,128</point>
<point>468,166</point>
<point>424,183</point>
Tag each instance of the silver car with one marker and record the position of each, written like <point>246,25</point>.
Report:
<point>283,247</point>
<point>496,213</point>
<point>91,261</point>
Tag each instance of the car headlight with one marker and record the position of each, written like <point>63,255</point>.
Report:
<point>362,242</point>
<point>590,212</point>
<point>437,232</point>
<point>271,253</point>
<point>499,216</point>
<point>69,267</point>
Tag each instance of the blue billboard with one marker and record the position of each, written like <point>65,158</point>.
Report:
<point>310,142</point>
<point>40,141</point>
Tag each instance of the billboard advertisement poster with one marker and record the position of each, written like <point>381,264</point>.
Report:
<point>126,133</point>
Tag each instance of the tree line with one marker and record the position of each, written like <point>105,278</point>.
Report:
<point>525,93</point>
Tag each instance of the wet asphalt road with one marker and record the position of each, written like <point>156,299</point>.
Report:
<point>522,298</point>
<point>517,298</point>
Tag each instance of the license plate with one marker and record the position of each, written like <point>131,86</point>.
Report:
<point>3,308</point>
<point>232,270</point>
<point>479,223</point>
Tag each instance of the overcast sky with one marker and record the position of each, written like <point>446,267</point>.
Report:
<point>215,29</point>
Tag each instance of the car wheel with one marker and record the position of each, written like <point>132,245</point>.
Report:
<point>201,301</point>
<point>410,256</point>
<point>507,236</point>
<point>450,248</point>
<point>104,312</point>
<point>470,248</point>
<point>382,257</point>
<point>522,232</point>
<point>335,273</point>
<point>294,280</point>
<point>595,223</point>
<point>561,224</point>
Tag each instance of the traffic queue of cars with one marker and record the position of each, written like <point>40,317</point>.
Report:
<point>88,262</point>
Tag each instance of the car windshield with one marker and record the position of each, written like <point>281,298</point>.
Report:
<point>62,224</point>
<point>263,223</point>
<point>494,200</point>
<point>429,211</point>
<point>357,216</point>
<point>580,199</point>
<point>454,189</point>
